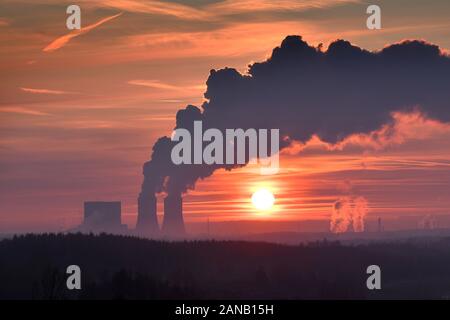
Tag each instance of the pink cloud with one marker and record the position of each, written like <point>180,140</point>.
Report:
<point>45,91</point>
<point>405,127</point>
<point>22,110</point>
<point>63,40</point>
<point>4,22</point>
<point>156,84</point>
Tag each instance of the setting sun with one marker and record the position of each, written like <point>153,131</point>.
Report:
<point>263,199</point>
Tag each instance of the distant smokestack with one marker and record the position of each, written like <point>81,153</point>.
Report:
<point>173,223</point>
<point>147,222</point>
<point>428,222</point>
<point>348,214</point>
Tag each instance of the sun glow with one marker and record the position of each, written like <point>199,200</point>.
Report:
<point>263,199</point>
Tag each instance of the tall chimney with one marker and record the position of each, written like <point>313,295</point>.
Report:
<point>380,227</point>
<point>173,223</point>
<point>147,222</point>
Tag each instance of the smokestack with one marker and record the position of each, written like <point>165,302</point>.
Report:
<point>173,223</point>
<point>147,222</point>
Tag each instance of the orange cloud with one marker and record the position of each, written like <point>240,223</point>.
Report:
<point>62,41</point>
<point>22,110</point>
<point>255,39</point>
<point>4,22</point>
<point>162,85</point>
<point>155,7</point>
<point>216,10</point>
<point>405,127</point>
<point>240,6</point>
<point>45,91</point>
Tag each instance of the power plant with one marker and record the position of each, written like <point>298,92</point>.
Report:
<point>156,181</point>
<point>147,222</point>
<point>106,216</point>
<point>173,223</point>
<point>103,216</point>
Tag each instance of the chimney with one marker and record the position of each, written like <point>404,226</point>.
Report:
<point>173,223</point>
<point>147,222</point>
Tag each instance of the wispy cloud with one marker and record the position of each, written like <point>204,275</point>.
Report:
<point>239,6</point>
<point>4,22</point>
<point>213,11</point>
<point>155,7</point>
<point>46,91</point>
<point>255,38</point>
<point>153,84</point>
<point>157,118</point>
<point>156,84</point>
<point>23,110</point>
<point>62,41</point>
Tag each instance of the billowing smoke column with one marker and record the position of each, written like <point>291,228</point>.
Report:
<point>305,91</point>
<point>348,215</point>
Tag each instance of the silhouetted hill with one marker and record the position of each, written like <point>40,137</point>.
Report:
<point>118,267</point>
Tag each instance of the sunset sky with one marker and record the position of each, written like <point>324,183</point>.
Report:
<point>80,110</point>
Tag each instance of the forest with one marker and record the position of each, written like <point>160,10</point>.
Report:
<point>123,267</point>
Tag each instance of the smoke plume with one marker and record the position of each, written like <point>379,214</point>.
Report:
<point>348,214</point>
<point>305,91</point>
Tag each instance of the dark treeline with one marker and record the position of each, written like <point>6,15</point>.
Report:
<point>118,267</point>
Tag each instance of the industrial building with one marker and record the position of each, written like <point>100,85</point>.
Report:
<point>103,216</point>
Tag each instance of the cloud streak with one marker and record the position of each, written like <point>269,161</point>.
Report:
<point>216,11</point>
<point>4,22</point>
<point>155,7</point>
<point>240,6</point>
<point>156,84</point>
<point>22,110</point>
<point>63,40</point>
<point>45,91</point>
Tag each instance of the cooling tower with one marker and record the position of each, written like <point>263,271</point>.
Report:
<point>173,223</point>
<point>147,222</point>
